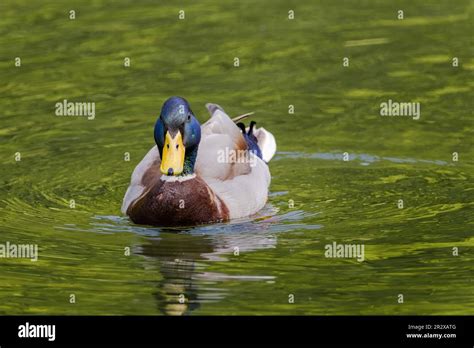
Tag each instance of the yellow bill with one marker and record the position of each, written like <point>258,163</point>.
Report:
<point>173,155</point>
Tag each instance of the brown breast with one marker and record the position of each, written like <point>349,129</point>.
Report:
<point>173,203</point>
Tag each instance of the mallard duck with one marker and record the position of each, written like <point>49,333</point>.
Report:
<point>200,174</point>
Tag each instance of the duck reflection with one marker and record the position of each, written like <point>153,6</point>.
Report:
<point>183,255</point>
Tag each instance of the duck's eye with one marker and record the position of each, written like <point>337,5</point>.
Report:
<point>189,117</point>
<point>167,146</point>
<point>177,146</point>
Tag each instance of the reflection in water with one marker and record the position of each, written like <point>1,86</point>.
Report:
<point>180,255</point>
<point>177,292</point>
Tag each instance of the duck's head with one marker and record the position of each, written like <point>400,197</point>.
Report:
<point>177,135</point>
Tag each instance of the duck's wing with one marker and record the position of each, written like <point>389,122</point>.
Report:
<point>143,176</point>
<point>238,177</point>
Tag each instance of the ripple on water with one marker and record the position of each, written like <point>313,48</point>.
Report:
<point>364,159</point>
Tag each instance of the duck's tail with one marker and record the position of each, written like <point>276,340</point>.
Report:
<point>259,140</point>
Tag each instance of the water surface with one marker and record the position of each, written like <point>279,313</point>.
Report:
<point>316,197</point>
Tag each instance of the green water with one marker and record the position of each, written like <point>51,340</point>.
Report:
<point>408,251</point>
